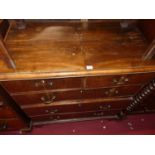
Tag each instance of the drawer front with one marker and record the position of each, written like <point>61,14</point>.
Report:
<point>80,107</point>
<point>117,80</point>
<point>47,98</point>
<point>110,92</point>
<point>47,84</point>
<point>11,124</point>
<point>52,97</point>
<point>73,116</point>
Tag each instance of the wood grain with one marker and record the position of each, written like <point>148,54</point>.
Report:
<point>66,49</point>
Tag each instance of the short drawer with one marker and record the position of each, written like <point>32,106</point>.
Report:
<point>110,92</point>
<point>105,105</point>
<point>73,116</point>
<point>117,80</point>
<point>43,84</point>
<point>47,98</point>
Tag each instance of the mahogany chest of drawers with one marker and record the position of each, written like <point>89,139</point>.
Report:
<point>67,72</point>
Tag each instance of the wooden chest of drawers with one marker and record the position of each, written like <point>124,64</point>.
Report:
<point>65,72</point>
<point>77,97</point>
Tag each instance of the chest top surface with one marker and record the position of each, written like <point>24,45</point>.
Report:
<point>75,49</point>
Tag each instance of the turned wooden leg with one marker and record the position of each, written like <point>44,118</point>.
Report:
<point>138,98</point>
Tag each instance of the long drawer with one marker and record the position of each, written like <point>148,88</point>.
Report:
<point>74,116</point>
<point>117,80</point>
<point>77,82</point>
<point>42,84</point>
<point>46,98</point>
<point>51,98</point>
<point>106,105</point>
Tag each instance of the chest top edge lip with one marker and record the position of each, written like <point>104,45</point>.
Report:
<point>61,75</point>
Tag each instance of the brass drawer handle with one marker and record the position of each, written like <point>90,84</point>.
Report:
<point>105,107</point>
<point>111,92</point>
<point>51,111</point>
<point>50,83</point>
<point>48,99</point>
<point>40,83</point>
<point>121,80</point>
<point>98,113</point>
<point>109,106</point>
<point>43,83</point>
<point>54,111</point>
<point>3,125</point>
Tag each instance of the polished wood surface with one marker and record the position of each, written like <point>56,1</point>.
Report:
<point>76,69</point>
<point>118,80</point>
<point>51,98</point>
<point>68,49</point>
<point>89,105</point>
<point>42,84</point>
<point>80,115</point>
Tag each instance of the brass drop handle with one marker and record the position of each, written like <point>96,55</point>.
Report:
<point>99,113</point>
<point>109,106</point>
<point>3,126</point>
<point>44,98</point>
<point>48,99</point>
<point>105,107</point>
<point>112,91</point>
<point>121,80</point>
<point>50,83</point>
<point>40,83</point>
<point>52,98</point>
<point>51,111</point>
<point>54,111</point>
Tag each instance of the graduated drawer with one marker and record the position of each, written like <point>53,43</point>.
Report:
<point>117,80</point>
<point>11,124</point>
<point>53,97</point>
<point>46,98</point>
<point>43,84</point>
<point>105,105</point>
<point>110,92</point>
<point>73,116</point>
